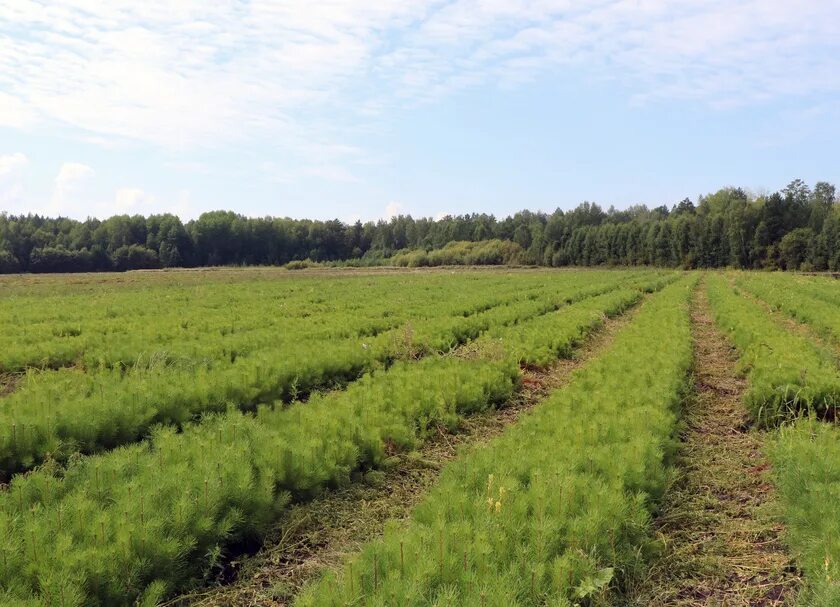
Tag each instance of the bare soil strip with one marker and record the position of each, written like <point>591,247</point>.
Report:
<point>8,383</point>
<point>319,534</point>
<point>722,545</point>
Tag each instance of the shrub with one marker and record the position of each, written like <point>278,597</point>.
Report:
<point>9,264</point>
<point>135,257</point>
<point>485,252</point>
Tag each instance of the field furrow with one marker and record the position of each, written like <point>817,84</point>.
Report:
<point>314,536</point>
<point>721,544</point>
<point>554,510</point>
<point>228,478</point>
<point>68,413</point>
<point>787,372</point>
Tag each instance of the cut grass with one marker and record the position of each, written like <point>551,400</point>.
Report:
<point>319,535</point>
<point>721,544</point>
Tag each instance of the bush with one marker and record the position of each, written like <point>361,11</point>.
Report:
<point>59,259</point>
<point>460,253</point>
<point>9,264</point>
<point>135,257</point>
<point>301,264</point>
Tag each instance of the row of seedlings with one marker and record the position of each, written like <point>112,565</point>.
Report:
<point>787,372</point>
<point>793,384</point>
<point>555,511</point>
<point>92,413</point>
<point>149,519</point>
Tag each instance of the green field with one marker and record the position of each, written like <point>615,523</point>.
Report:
<point>157,426</point>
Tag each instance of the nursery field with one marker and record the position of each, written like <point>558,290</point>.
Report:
<point>157,430</point>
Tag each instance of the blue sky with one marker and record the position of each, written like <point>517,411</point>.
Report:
<point>360,110</point>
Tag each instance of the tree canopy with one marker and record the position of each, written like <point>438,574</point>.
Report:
<point>796,228</point>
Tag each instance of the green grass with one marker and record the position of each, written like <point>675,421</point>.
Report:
<point>813,302</point>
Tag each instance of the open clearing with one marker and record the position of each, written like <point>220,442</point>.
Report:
<point>427,437</point>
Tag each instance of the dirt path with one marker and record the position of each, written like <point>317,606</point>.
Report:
<point>722,548</point>
<point>319,534</point>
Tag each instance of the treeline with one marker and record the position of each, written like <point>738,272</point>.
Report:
<point>796,228</point>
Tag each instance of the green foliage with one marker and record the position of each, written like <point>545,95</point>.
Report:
<point>726,228</point>
<point>448,332</point>
<point>463,253</point>
<point>243,364</point>
<point>806,467</point>
<point>555,510</point>
<point>787,373</point>
<point>148,519</point>
<point>110,526</point>
<point>8,263</point>
<point>554,335</point>
<point>216,318</point>
<point>137,257</point>
<point>796,248</point>
<point>810,300</point>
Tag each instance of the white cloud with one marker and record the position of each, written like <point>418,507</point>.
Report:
<point>70,192</point>
<point>138,201</point>
<point>392,209</point>
<point>186,73</point>
<point>715,51</point>
<point>129,199</point>
<point>14,113</point>
<point>12,164</point>
<point>12,169</point>
<point>72,173</point>
<point>75,194</point>
<point>306,77</point>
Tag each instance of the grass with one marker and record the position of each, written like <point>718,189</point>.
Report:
<point>787,372</point>
<point>59,413</point>
<point>558,508</point>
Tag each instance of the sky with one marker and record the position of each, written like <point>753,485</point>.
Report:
<point>365,109</point>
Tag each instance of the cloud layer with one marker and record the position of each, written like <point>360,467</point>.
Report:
<point>186,73</point>
<point>12,168</point>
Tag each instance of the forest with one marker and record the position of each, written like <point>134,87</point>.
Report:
<point>797,228</point>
